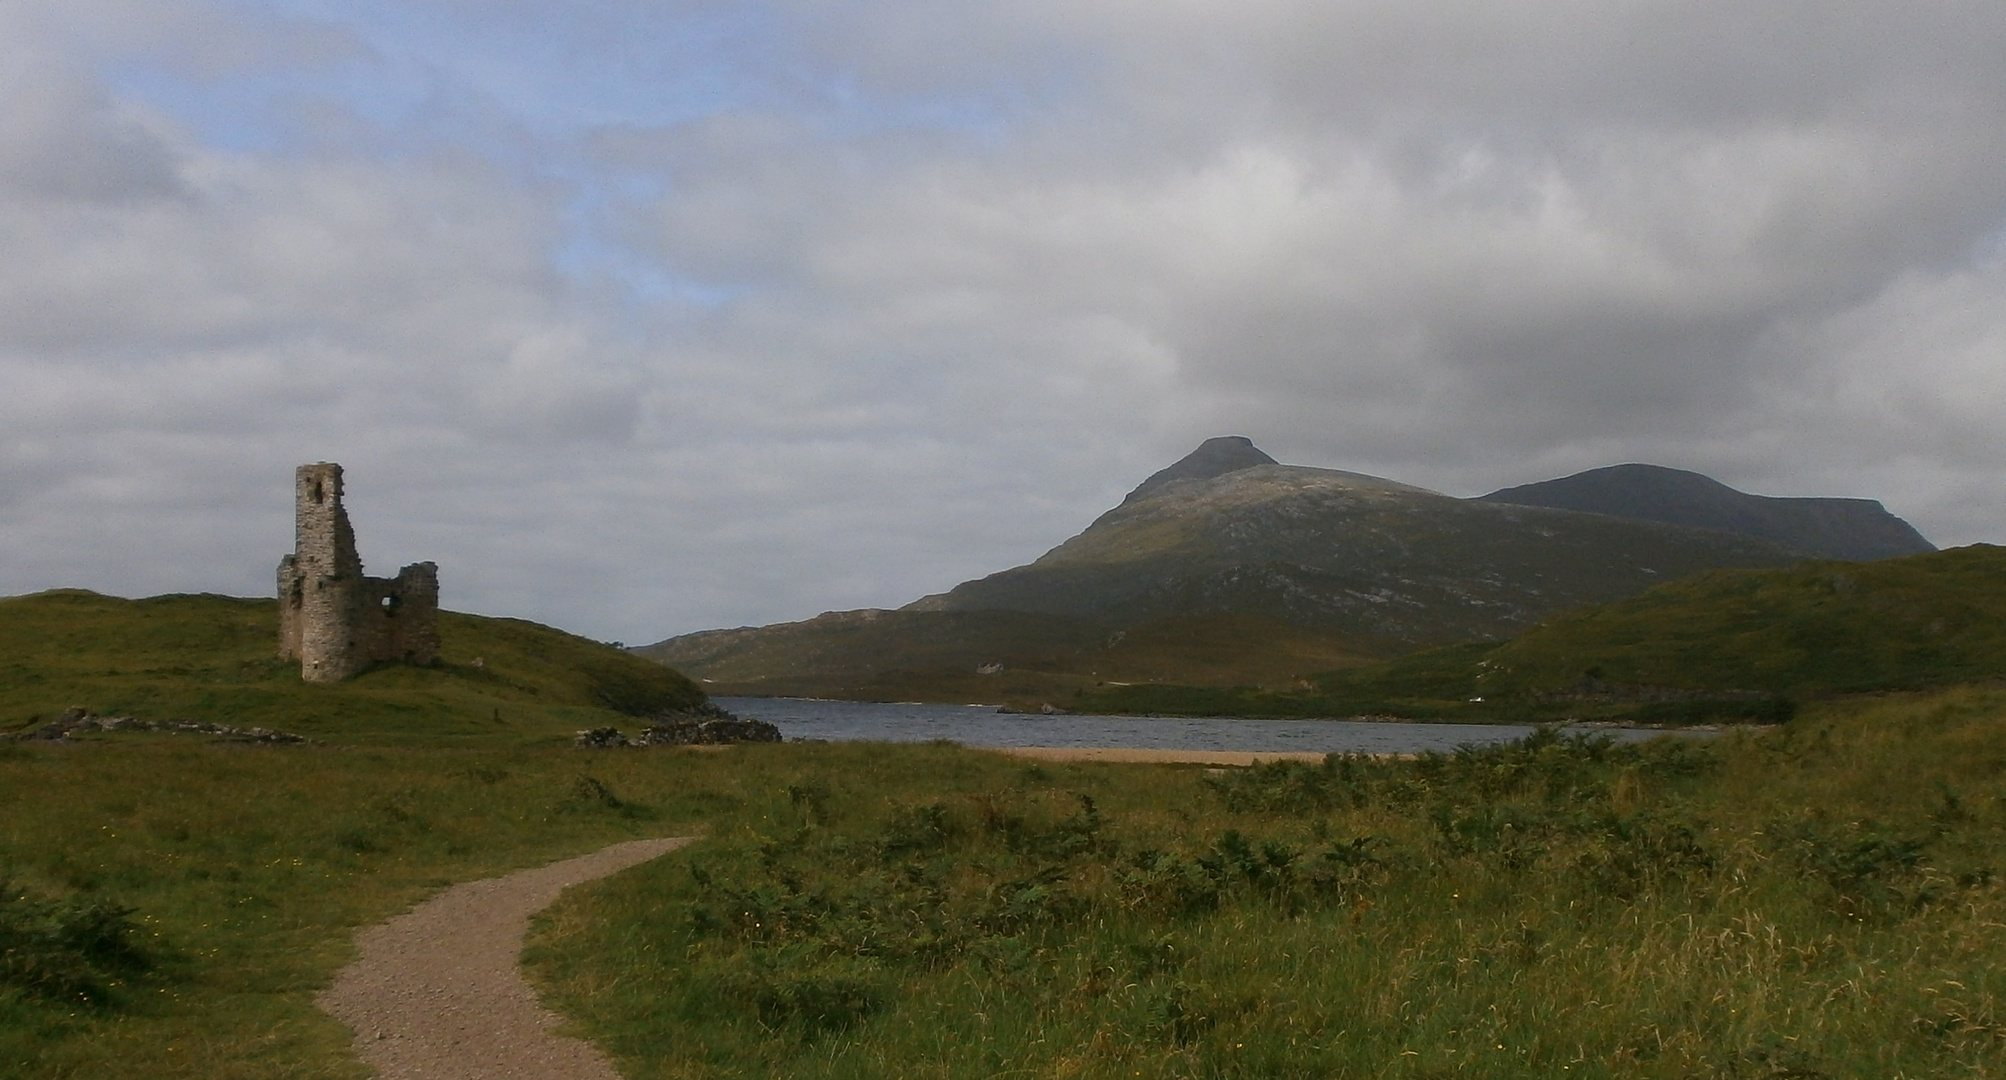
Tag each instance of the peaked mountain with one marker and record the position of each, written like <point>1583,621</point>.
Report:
<point>1382,561</point>
<point>1229,568</point>
<point>1856,529</point>
<point>1214,457</point>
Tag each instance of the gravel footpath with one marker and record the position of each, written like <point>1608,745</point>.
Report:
<point>436,993</point>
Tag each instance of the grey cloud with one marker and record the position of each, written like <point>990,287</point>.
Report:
<point>925,331</point>
<point>63,140</point>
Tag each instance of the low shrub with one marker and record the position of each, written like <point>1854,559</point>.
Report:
<point>70,948</point>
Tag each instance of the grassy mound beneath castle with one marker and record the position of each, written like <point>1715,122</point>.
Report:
<point>1816,900</point>
<point>214,658</point>
<point>1727,645</point>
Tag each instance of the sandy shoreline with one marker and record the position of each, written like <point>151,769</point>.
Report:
<point>1133,755</point>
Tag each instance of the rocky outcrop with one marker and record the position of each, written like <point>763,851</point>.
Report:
<point>709,732</point>
<point>711,726</point>
<point>1214,457</point>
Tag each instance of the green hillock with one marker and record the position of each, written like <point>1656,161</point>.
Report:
<point>1814,629</point>
<point>214,658</point>
<point>1726,645</point>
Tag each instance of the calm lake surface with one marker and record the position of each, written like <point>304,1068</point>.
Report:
<point>982,725</point>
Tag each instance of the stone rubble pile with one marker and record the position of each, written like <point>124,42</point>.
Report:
<point>711,727</point>
<point>77,718</point>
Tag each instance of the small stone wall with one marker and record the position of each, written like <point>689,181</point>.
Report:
<point>78,718</point>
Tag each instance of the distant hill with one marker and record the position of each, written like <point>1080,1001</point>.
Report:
<point>1723,644</point>
<point>1305,563</point>
<point>1375,559</point>
<point>215,658</point>
<point>1857,529</point>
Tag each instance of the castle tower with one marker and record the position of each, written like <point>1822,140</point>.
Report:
<point>332,619</point>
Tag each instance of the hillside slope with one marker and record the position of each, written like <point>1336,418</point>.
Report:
<point>1721,645</point>
<point>1856,529</point>
<point>996,656</point>
<point>1813,629</point>
<point>214,658</point>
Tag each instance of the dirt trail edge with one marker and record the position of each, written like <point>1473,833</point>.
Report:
<point>436,992</point>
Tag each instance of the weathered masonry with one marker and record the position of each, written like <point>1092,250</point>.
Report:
<point>332,619</point>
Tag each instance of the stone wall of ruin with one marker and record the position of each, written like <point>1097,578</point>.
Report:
<point>333,619</point>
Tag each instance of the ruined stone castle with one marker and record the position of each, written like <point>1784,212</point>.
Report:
<point>332,619</point>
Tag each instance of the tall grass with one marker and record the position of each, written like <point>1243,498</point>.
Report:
<point>1818,900</point>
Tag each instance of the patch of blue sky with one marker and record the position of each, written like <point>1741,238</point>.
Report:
<point>1990,248</point>
<point>591,254</point>
<point>590,260</point>
<point>270,111</point>
<point>555,72</point>
<point>986,114</point>
<point>559,69</point>
<point>520,84</point>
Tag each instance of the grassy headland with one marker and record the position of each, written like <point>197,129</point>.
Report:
<point>1816,900</point>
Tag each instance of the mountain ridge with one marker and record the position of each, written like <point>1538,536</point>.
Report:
<point>1833,528</point>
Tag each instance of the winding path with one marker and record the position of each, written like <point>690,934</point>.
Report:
<point>436,993</point>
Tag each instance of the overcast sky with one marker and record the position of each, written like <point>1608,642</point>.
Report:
<point>642,318</point>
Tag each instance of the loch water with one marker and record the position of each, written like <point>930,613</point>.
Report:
<point>982,725</point>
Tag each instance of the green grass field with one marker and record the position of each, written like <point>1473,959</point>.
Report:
<point>1819,900</point>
